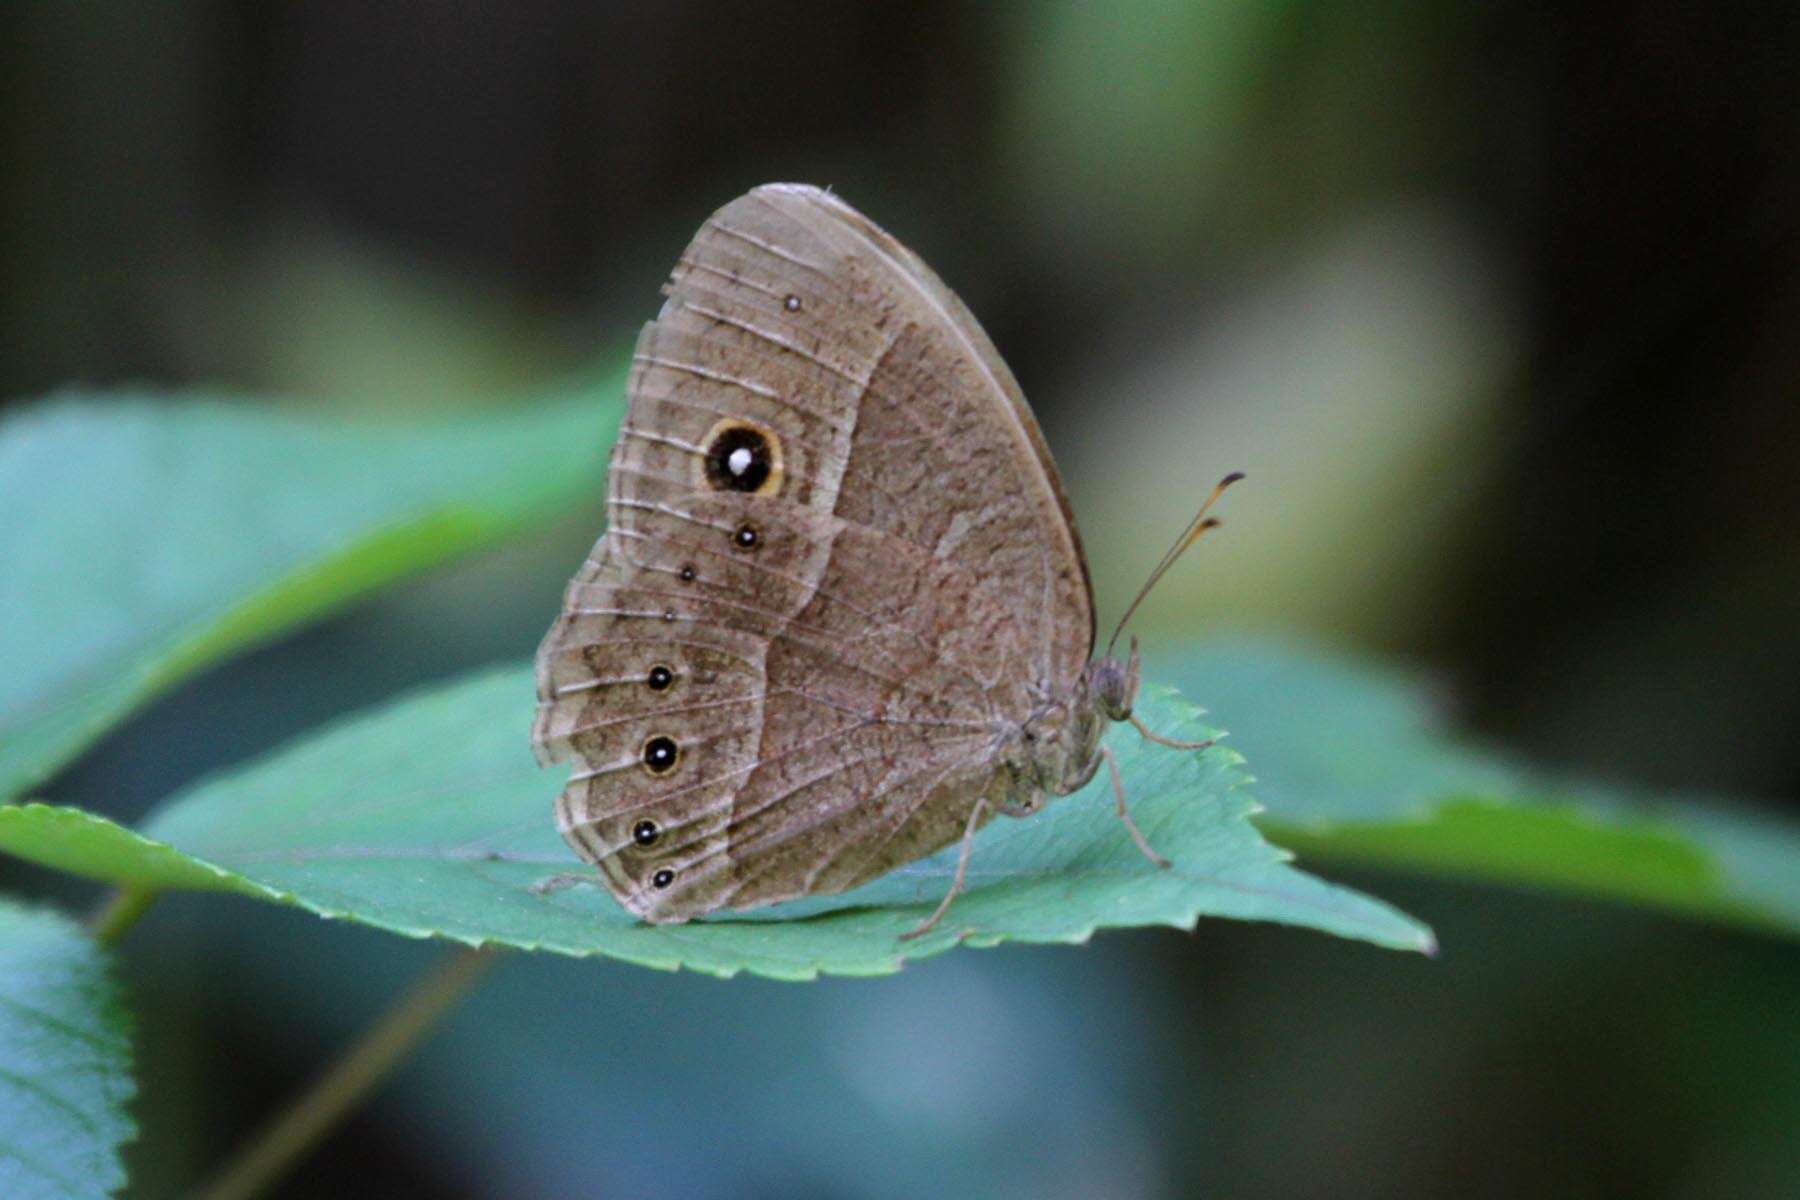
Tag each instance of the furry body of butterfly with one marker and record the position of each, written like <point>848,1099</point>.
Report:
<point>840,615</point>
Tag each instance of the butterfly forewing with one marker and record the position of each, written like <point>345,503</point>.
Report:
<point>837,566</point>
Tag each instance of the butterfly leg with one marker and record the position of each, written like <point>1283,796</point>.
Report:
<point>1160,740</point>
<point>1112,767</point>
<point>956,884</point>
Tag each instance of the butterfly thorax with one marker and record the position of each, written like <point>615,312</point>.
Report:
<point>1058,748</point>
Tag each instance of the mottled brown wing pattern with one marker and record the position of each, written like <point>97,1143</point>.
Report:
<point>789,679</point>
<point>987,494</point>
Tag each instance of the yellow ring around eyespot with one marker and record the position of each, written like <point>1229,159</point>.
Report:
<point>769,486</point>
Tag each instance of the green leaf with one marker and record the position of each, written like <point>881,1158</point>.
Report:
<point>146,537</point>
<point>83,843</point>
<point>65,1061</point>
<point>429,818</point>
<point>1352,764</point>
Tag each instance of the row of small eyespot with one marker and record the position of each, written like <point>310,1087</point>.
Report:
<point>660,753</point>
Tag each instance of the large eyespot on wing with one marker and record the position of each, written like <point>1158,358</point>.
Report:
<point>761,330</point>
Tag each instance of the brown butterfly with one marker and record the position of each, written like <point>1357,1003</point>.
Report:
<point>840,615</point>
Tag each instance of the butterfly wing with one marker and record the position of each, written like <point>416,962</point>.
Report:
<point>837,564</point>
<point>989,495</point>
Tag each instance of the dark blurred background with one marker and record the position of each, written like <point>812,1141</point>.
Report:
<point>1498,305</point>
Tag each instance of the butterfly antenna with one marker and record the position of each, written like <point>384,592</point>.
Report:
<point>1199,525</point>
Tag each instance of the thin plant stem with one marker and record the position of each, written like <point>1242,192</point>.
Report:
<point>310,1117</point>
<point>119,912</point>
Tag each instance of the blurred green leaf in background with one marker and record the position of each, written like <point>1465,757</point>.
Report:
<point>147,537</point>
<point>65,1061</point>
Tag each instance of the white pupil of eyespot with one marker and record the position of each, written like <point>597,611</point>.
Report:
<point>739,461</point>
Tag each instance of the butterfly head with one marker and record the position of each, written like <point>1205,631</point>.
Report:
<point>1112,685</point>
